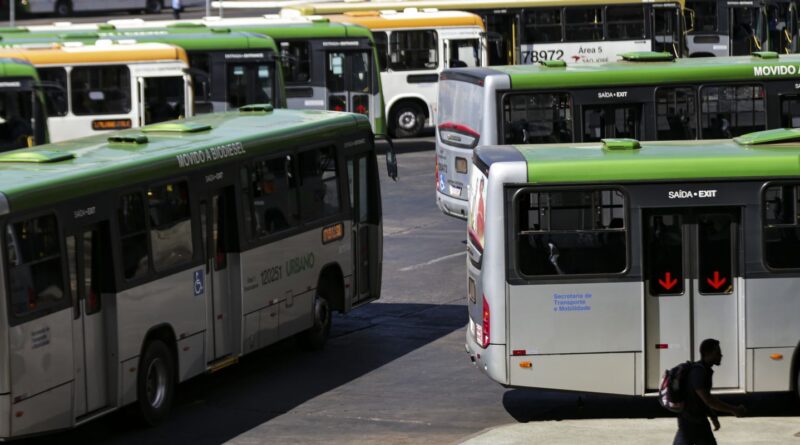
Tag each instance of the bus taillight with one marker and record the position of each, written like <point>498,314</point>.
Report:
<point>485,332</point>
<point>459,135</point>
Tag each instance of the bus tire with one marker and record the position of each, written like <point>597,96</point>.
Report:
<point>408,118</point>
<point>314,338</point>
<point>154,7</point>
<point>63,8</point>
<point>155,382</point>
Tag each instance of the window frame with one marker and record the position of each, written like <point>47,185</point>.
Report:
<point>606,33</point>
<point>66,302</point>
<point>673,87</point>
<point>515,276</point>
<point>336,160</point>
<point>151,273</point>
<point>129,90</point>
<point>504,95</point>
<point>749,83</point>
<point>764,226</point>
<point>191,218</point>
<point>247,202</point>
<point>437,39</point>
<point>310,61</point>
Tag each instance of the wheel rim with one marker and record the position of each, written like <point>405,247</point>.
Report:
<point>321,313</point>
<point>407,120</point>
<point>156,382</point>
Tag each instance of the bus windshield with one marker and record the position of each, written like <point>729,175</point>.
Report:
<point>16,119</point>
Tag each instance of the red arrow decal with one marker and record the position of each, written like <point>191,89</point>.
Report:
<point>668,282</point>
<point>717,282</point>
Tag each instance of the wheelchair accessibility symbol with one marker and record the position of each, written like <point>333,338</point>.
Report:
<point>199,283</point>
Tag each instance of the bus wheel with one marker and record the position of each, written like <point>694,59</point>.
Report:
<point>314,338</point>
<point>154,7</point>
<point>63,8</point>
<point>407,120</point>
<point>155,383</point>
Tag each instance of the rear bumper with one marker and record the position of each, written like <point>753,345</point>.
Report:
<point>451,206</point>
<point>491,360</point>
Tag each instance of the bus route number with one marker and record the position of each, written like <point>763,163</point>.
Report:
<point>542,55</point>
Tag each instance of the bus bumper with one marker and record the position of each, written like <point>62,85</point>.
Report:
<point>451,206</point>
<point>491,360</point>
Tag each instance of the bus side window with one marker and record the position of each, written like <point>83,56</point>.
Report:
<point>414,50</point>
<point>781,228</point>
<point>297,66</point>
<point>170,225</point>
<point>537,118</point>
<point>571,232</point>
<point>270,195</point>
<point>35,276</point>
<point>382,46</point>
<point>676,113</point>
<point>56,98</point>
<point>101,90</point>
<point>625,22</point>
<point>731,110</point>
<point>542,25</point>
<point>133,236</point>
<point>319,189</point>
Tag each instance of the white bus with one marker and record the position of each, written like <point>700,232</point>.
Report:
<point>109,86</point>
<point>647,96</point>
<point>531,31</point>
<point>594,267</point>
<point>414,46</point>
<point>66,8</point>
<point>140,259</point>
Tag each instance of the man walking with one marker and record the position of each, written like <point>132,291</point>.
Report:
<point>176,9</point>
<point>699,405</point>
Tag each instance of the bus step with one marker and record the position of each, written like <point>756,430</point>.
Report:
<point>222,363</point>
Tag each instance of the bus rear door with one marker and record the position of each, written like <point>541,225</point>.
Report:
<point>219,232</point>
<point>89,264</point>
<point>691,260</point>
<point>348,79</point>
<point>367,232</point>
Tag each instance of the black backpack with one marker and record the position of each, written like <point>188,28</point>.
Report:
<point>672,391</point>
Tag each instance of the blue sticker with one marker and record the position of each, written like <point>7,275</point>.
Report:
<point>199,282</point>
<point>442,182</point>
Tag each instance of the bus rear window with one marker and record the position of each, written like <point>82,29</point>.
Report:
<point>537,118</point>
<point>781,227</point>
<point>461,103</point>
<point>571,232</point>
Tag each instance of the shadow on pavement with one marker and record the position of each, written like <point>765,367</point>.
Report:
<point>530,405</point>
<point>211,409</point>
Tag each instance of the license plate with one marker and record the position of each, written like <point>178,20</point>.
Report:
<point>455,190</point>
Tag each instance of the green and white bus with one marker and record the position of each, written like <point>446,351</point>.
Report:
<point>647,96</point>
<point>595,267</point>
<point>135,261</point>
<point>327,65</point>
<point>531,31</point>
<point>228,68</point>
<point>23,113</point>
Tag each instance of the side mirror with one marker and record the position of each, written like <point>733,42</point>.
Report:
<point>391,157</point>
